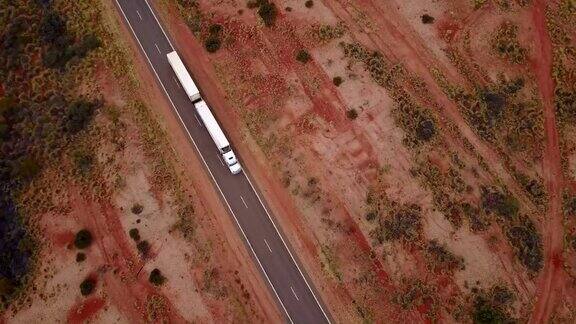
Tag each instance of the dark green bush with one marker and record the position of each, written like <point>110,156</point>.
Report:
<point>427,19</point>
<point>268,13</point>
<point>309,3</point>
<point>137,209</point>
<point>337,81</point>
<point>303,56</point>
<point>78,116</point>
<point>134,234</point>
<point>87,286</point>
<point>425,129</point>
<point>352,114</point>
<point>156,277</point>
<point>212,44</point>
<point>143,247</point>
<point>83,239</point>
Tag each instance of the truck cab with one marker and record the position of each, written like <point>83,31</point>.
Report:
<point>231,160</point>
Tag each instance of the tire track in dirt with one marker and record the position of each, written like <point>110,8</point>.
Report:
<point>552,277</point>
<point>417,59</point>
<point>129,292</point>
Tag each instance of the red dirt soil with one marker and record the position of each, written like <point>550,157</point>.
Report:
<point>553,277</point>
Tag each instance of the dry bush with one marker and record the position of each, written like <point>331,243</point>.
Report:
<point>505,43</point>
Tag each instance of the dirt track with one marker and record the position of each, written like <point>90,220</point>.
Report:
<point>552,279</point>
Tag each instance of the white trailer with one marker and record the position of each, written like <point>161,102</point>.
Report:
<point>217,136</point>
<point>183,76</point>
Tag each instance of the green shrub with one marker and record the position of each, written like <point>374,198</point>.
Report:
<point>83,239</point>
<point>134,234</point>
<point>212,44</point>
<point>78,116</point>
<point>337,81</point>
<point>156,277</point>
<point>268,13</point>
<point>137,209</point>
<point>83,161</point>
<point>527,245</point>
<point>143,247</point>
<point>215,29</point>
<point>303,56</point>
<point>87,286</point>
<point>352,114</point>
<point>496,202</point>
<point>80,257</point>
<point>505,43</point>
<point>309,3</point>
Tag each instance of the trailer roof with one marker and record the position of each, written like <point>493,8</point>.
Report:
<point>211,124</point>
<point>183,75</point>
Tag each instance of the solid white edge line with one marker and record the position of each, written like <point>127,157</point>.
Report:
<point>202,157</point>
<point>257,195</point>
<point>286,246</point>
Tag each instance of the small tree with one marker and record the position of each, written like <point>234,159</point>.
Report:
<point>212,44</point>
<point>352,114</point>
<point>156,277</point>
<point>143,247</point>
<point>268,13</point>
<point>87,286</point>
<point>337,81</point>
<point>80,257</point>
<point>309,3</point>
<point>83,239</point>
<point>137,209</point>
<point>134,234</point>
<point>303,56</point>
<point>427,19</point>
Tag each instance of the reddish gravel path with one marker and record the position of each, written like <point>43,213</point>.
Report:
<point>550,281</point>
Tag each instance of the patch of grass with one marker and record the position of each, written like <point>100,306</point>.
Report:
<point>503,205</point>
<point>526,241</point>
<point>352,114</point>
<point>326,33</point>
<point>137,209</point>
<point>303,56</point>
<point>441,260</point>
<point>87,286</point>
<point>156,277</point>
<point>404,223</point>
<point>134,234</point>
<point>506,45</point>
<point>337,80</point>
<point>83,161</point>
<point>83,239</point>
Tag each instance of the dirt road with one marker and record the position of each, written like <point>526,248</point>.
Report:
<point>550,280</point>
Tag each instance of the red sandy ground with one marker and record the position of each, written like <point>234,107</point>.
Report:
<point>392,34</point>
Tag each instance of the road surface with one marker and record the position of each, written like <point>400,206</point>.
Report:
<point>295,296</point>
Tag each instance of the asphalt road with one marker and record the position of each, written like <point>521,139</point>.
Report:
<point>277,264</point>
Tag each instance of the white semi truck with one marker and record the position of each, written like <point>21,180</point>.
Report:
<point>204,112</point>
